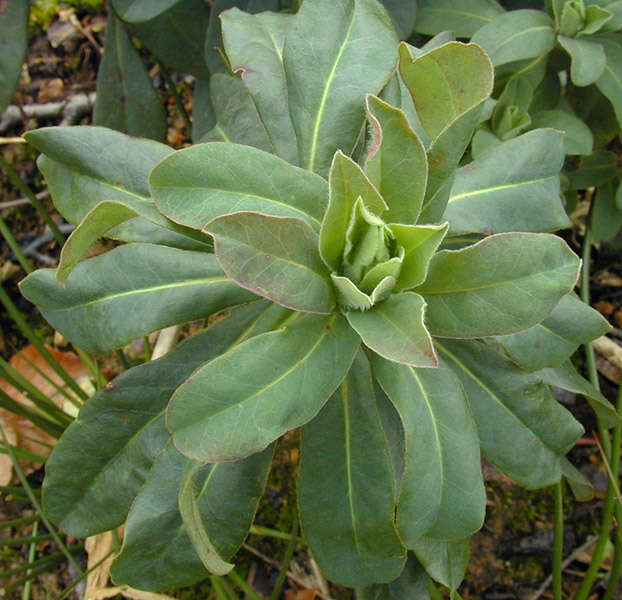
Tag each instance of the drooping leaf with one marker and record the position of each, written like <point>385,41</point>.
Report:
<point>13,43</point>
<point>185,24</point>
<point>567,378</point>
<point>335,53</point>
<point>84,166</point>
<point>261,388</point>
<point>254,45</point>
<point>587,59</point>
<point>121,429</point>
<point>157,553</point>
<point>445,562</point>
<point>396,162</point>
<point>516,35</point>
<point>274,257</point>
<point>610,82</point>
<point>503,284</point>
<point>442,492</point>
<point>463,18</point>
<point>412,583</point>
<point>237,118</point>
<point>96,223</point>
<point>146,287</point>
<point>580,485</point>
<point>347,183</point>
<point>240,178</point>
<point>449,86</point>
<point>135,11</point>
<point>578,138</point>
<point>420,242</point>
<point>551,342</point>
<point>514,188</point>
<point>126,100</point>
<point>511,404</point>
<point>403,15</point>
<point>213,41</point>
<point>345,471</point>
<point>394,329</point>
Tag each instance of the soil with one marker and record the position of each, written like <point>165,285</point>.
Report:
<point>510,555</point>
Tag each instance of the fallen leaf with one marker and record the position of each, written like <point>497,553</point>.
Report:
<point>20,431</point>
<point>299,594</point>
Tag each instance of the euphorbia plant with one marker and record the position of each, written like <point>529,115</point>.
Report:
<point>351,312</point>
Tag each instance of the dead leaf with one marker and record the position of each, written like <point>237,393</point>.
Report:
<point>604,307</point>
<point>51,89</point>
<point>300,594</point>
<point>23,433</point>
<point>608,278</point>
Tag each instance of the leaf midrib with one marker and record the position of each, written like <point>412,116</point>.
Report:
<point>498,188</point>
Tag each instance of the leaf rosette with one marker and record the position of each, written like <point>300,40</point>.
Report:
<point>347,245</point>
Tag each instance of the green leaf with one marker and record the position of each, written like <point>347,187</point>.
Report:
<point>135,11</point>
<point>157,552</point>
<point>345,472</point>
<point>420,242</point>
<point>240,178</point>
<point>203,113</point>
<point>412,583</point>
<point>551,342</point>
<point>449,86</point>
<point>610,82</point>
<point>237,118</point>
<point>193,523</point>
<point>336,52</point>
<point>511,404</point>
<point>146,287</point>
<point>213,41</point>
<point>394,329</point>
<point>578,138</point>
<point>396,162</point>
<point>463,18</point>
<point>120,431</point>
<point>593,170</point>
<point>587,58</point>
<point>96,223</point>
<point>516,35</point>
<point>349,295</point>
<point>567,378</point>
<point>126,100</point>
<point>84,166</point>
<point>274,257</point>
<point>14,42</point>
<point>442,493</point>
<point>261,388</point>
<point>615,8</point>
<point>403,16</point>
<point>572,18</point>
<point>595,19</point>
<point>346,183</point>
<point>445,562</point>
<point>513,188</point>
<point>254,45</point>
<point>185,24</point>
<point>606,215</point>
<point>503,284</point>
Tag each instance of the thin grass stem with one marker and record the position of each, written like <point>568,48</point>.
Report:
<point>15,247</point>
<point>249,592</point>
<point>287,558</point>
<point>31,557</point>
<point>558,540</point>
<point>21,185</point>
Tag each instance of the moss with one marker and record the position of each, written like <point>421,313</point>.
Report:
<point>42,12</point>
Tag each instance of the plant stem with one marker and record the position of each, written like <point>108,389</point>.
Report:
<point>74,583</point>
<point>13,245</point>
<point>434,593</point>
<point>267,532</point>
<point>25,328</point>
<point>148,348</point>
<point>247,589</point>
<point>31,558</point>
<point>18,522</point>
<point>289,553</point>
<point>616,567</point>
<point>218,588</point>
<point>123,359</point>
<point>37,504</point>
<point>20,184</point>
<point>558,543</point>
<point>27,540</point>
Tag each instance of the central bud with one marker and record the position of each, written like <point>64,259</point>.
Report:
<point>371,261</point>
